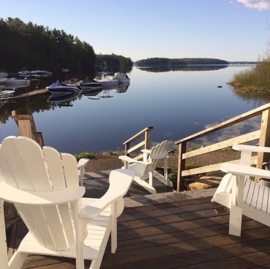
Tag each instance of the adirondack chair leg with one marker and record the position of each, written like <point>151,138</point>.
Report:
<point>151,178</point>
<point>79,227</point>
<point>166,169</point>
<point>3,240</point>
<point>113,228</point>
<point>17,260</point>
<point>95,264</point>
<point>145,185</point>
<point>235,221</point>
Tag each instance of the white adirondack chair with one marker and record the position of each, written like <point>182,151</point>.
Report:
<point>44,187</point>
<point>241,194</point>
<point>146,169</point>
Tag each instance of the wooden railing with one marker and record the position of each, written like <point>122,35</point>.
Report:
<point>145,144</point>
<point>26,124</point>
<point>263,134</point>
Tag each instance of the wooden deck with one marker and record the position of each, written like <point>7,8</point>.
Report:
<point>185,234</point>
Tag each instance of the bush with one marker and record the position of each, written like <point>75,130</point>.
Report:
<point>84,155</point>
<point>254,79</point>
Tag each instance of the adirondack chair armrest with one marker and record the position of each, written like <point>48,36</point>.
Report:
<point>251,148</point>
<point>128,159</point>
<point>17,196</point>
<point>238,169</point>
<point>120,181</point>
<point>82,162</point>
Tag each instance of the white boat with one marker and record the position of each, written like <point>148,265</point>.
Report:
<point>61,88</point>
<point>41,73</point>
<point>73,82</point>
<point>3,74</point>
<point>121,77</point>
<point>91,85</point>
<point>24,73</point>
<point>15,83</point>
<point>6,93</point>
<point>106,79</point>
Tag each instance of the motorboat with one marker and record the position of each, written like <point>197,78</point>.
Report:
<point>73,82</point>
<point>58,88</point>
<point>41,73</point>
<point>64,99</point>
<point>24,73</point>
<point>11,83</point>
<point>106,79</point>
<point>3,74</point>
<point>121,77</point>
<point>88,86</point>
<point>6,93</point>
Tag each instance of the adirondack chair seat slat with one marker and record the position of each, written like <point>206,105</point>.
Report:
<point>241,194</point>
<point>59,220</point>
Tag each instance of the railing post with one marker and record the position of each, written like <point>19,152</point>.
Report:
<point>264,140</point>
<point>147,139</point>
<point>145,143</point>
<point>181,166</point>
<point>26,124</point>
<point>126,149</point>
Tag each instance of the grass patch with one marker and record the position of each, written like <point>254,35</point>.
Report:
<point>256,79</point>
<point>87,155</point>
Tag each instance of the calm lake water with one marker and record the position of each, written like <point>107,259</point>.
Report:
<point>176,103</point>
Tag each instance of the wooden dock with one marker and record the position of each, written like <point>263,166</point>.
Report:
<point>185,234</point>
<point>32,93</point>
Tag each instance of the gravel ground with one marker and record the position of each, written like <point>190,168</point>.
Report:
<point>107,162</point>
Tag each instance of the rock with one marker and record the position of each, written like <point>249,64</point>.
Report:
<point>198,186</point>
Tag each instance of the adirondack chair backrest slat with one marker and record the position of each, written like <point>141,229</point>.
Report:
<point>156,151</point>
<point>55,169</point>
<point>62,168</point>
<point>26,166</point>
<point>70,170</point>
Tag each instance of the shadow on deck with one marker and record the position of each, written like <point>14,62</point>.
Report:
<point>183,234</point>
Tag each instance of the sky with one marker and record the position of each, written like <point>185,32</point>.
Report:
<point>231,30</point>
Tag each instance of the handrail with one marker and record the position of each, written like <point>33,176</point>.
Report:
<point>145,143</point>
<point>263,135</point>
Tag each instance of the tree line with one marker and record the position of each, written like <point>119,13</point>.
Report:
<point>180,61</point>
<point>117,63</point>
<point>31,46</point>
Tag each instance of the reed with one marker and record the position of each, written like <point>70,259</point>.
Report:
<point>254,79</point>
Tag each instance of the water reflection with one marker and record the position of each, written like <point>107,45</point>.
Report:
<point>182,68</point>
<point>258,97</point>
<point>63,100</point>
<point>104,92</point>
<point>177,104</point>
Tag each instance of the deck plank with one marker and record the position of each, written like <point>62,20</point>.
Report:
<point>185,234</point>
